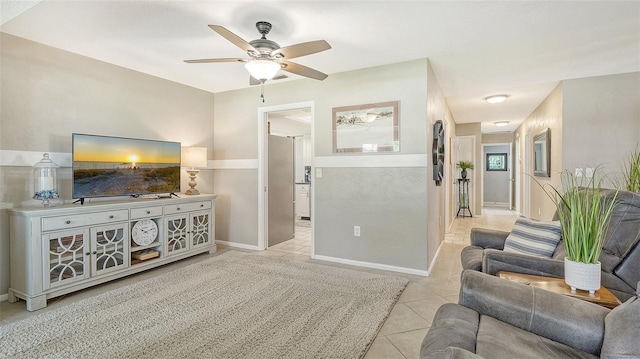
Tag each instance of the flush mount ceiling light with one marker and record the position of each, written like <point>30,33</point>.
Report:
<point>496,98</point>
<point>501,123</point>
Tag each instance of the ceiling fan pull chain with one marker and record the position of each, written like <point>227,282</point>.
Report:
<point>262,90</point>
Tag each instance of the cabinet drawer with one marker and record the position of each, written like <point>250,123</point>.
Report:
<point>85,219</point>
<point>137,213</point>
<point>186,207</point>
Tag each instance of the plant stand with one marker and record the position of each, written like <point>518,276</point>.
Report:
<point>463,197</point>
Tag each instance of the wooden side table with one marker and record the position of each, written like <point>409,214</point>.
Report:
<point>601,297</point>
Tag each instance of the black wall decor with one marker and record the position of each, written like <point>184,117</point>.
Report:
<point>438,152</point>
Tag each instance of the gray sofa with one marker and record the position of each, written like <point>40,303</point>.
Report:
<point>620,256</point>
<point>496,318</point>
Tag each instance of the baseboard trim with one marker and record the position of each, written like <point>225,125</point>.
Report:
<point>237,245</point>
<point>435,258</point>
<point>4,297</point>
<point>495,204</point>
<point>372,265</point>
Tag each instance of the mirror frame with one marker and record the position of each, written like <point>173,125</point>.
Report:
<point>543,136</point>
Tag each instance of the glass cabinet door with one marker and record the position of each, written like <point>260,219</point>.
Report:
<point>200,229</point>
<point>66,256</point>
<point>109,248</point>
<point>176,230</point>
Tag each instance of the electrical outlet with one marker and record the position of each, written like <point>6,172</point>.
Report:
<point>539,211</point>
<point>318,172</point>
<point>578,172</point>
<point>589,172</point>
<point>356,231</point>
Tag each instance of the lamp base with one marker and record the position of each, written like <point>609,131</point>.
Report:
<point>192,181</point>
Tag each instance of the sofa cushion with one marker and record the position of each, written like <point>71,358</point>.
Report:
<point>453,326</point>
<point>471,257</point>
<point>623,231</point>
<point>498,340</point>
<point>533,237</point>
<point>621,331</point>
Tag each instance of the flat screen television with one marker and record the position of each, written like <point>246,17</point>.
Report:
<point>105,166</point>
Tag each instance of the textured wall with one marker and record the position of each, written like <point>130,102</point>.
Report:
<point>547,115</point>
<point>437,204</point>
<point>47,94</point>
<point>593,121</point>
<point>600,121</point>
<point>236,133</point>
<point>389,205</point>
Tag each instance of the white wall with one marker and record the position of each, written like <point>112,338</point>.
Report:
<point>47,94</point>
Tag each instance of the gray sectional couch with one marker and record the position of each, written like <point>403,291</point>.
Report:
<point>497,318</point>
<point>620,257</point>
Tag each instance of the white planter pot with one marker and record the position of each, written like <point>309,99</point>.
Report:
<point>583,276</point>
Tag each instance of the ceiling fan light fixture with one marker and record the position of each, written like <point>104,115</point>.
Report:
<point>496,98</point>
<point>262,69</point>
<point>501,123</point>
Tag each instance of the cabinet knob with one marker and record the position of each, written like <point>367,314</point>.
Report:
<point>148,212</point>
<point>68,222</point>
<point>178,208</point>
<point>88,253</point>
<point>111,217</point>
<point>95,252</point>
<point>202,205</point>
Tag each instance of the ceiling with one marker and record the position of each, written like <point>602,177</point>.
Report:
<point>476,48</point>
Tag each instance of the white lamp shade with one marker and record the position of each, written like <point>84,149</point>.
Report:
<point>194,157</point>
<point>262,69</point>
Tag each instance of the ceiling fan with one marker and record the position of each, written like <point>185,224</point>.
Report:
<point>266,57</point>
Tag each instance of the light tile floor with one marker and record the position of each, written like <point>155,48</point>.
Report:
<point>409,320</point>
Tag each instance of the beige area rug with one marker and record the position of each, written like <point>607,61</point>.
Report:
<point>235,305</point>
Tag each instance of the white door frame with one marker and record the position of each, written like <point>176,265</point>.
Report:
<point>263,168</point>
<point>526,183</point>
<point>517,158</point>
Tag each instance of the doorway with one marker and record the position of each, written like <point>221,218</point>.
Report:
<point>496,176</point>
<point>284,176</point>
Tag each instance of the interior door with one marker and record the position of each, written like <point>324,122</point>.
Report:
<point>281,221</point>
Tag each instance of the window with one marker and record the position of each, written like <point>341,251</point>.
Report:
<point>496,162</point>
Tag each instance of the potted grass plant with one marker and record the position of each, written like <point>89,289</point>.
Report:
<point>584,217</point>
<point>632,172</point>
<point>464,165</point>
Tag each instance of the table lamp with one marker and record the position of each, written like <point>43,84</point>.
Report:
<point>193,157</point>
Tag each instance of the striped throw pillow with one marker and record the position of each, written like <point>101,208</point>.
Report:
<point>533,237</point>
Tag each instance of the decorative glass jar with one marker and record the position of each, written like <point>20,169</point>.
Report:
<point>45,180</point>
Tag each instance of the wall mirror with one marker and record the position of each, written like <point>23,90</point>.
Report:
<point>542,154</point>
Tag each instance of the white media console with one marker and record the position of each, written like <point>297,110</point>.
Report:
<point>59,250</point>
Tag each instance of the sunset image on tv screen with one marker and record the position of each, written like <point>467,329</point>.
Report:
<point>115,166</point>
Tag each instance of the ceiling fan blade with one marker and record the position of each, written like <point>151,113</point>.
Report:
<point>234,39</point>
<point>255,81</point>
<point>227,59</point>
<point>302,70</point>
<point>302,49</point>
